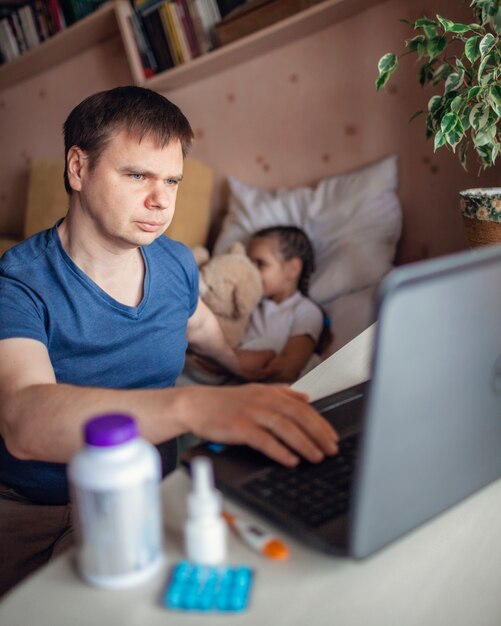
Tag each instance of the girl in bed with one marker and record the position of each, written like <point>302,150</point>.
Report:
<point>285,320</point>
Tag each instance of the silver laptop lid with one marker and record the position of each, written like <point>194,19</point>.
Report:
<point>432,429</point>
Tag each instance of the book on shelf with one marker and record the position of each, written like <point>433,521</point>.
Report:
<point>170,34</point>
<point>255,15</point>
<point>188,28</point>
<point>203,41</point>
<point>179,32</point>
<point>17,30</point>
<point>8,43</point>
<point>173,30</point>
<point>27,24</point>
<point>42,24</point>
<point>146,54</point>
<point>155,33</point>
<point>209,15</point>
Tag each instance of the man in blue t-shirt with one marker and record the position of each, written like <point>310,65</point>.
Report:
<point>95,316</point>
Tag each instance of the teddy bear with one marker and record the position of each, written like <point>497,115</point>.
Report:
<point>231,286</point>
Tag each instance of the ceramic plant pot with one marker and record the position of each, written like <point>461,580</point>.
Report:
<point>481,209</point>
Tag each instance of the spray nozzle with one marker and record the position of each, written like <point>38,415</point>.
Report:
<point>204,499</point>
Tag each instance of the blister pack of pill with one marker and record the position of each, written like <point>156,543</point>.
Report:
<point>194,587</point>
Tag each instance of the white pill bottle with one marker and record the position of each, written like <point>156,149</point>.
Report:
<point>115,489</point>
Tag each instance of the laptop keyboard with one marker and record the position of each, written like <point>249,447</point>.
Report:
<point>312,493</point>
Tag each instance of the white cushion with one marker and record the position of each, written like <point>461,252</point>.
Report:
<point>353,219</point>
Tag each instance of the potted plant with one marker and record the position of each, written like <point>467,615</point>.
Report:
<point>463,61</point>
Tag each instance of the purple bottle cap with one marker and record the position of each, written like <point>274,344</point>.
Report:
<point>110,429</point>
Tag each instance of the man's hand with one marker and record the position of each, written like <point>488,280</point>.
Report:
<point>273,419</point>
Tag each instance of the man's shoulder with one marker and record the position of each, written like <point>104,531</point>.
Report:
<point>25,254</point>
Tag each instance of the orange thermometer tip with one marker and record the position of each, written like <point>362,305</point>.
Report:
<point>257,538</point>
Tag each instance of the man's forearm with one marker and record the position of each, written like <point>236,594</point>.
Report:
<point>45,422</point>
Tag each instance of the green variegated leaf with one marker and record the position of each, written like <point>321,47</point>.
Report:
<point>472,48</point>
<point>495,94</point>
<point>465,117</point>
<point>453,138</point>
<point>387,66</point>
<point>436,46</point>
<point>479,116</point>
<point>487,154</point>
<point>487,43</point>
<point>412,44</point>
<point>430,31</point>
<point>424,21</point>
<point>496,148</point>
<point>425,73</point>
<point>453,81</point>
<point>482,66</point>
<point>462,67</point>
<point>474,91</point>
<point>449,122</point>
<point>421,50</point>
<point>447,24</point>
<point>439,140</point>
<point>463,151</point>
<point>457,103</point>
<point>494,99</point>
<point>487,78</point>
<point>496,108</point>
<point>382,79</point>
<point>434,103</point>
<point>441,73</point>
<point>388,62</point>
<point>486,136</point>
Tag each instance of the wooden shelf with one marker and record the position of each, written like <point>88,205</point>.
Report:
<point>98,26</point>
<point>292,28</point>
<point>112,18</point>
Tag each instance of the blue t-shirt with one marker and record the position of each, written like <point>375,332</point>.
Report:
<point>92,339</point>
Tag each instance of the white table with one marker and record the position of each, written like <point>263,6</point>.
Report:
<point>446,573</point>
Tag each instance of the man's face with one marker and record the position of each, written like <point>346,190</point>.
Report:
<point>128,198</point>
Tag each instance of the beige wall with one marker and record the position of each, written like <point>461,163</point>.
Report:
<point>290,117</point>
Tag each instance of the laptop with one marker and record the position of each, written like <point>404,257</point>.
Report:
<point>421,435</point>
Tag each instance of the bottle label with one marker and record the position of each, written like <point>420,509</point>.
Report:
<point>118,531</point>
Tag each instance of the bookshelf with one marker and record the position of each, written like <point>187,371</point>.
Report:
<point>91,30</point>
<point>275,36</point>
<point>112,18</point>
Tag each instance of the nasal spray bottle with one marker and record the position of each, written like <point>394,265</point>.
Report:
<point>205,531</point>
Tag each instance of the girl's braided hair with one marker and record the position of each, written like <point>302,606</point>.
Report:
<point>294,242</point>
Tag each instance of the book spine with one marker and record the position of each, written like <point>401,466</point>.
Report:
<point>214,11</point>
<point>29,20</point>
<point>203,41</point>
<point>41,23</point>
<point>145,50</point>
<point>188,28</point>
<point>207,20</point>
<point>17,29</point>
<point>57,15</point>
<point>177,53</point>
<point>11,49</point>
<point>155,32</point>
<point>180,32</point>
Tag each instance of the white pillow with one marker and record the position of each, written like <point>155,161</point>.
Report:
<point>354,222</point>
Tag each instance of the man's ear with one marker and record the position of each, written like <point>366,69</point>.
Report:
<point>76,161</point>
